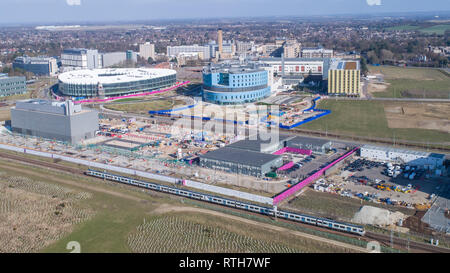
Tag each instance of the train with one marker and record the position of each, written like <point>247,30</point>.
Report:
<point>292,216</point>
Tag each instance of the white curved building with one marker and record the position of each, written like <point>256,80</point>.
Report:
<point>114,81</point>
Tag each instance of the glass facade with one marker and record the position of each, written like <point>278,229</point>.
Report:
<point>12,86</point>
<point>235,87</point>
<point>119,88</point>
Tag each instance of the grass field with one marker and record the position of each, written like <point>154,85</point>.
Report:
<point>413,82</point>
<point>436,29</point>
<point>129,220</point>
<point>144,107</point>
<point>368,118</point>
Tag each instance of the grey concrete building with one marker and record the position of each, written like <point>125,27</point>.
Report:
<point>315,144</point>
<point>241,162</point>
<point>12,85</point>
<point>61,121</point>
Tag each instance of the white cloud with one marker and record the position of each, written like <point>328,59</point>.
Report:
<point>374,2</point>
<point>73,2</point>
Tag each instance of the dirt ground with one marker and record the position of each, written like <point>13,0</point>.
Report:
<point>377,87</point>
<point>433,116</point>
<point>4,113</point>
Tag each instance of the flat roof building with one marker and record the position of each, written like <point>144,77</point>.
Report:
<point>38,65</point>
<point>344,78</point>
<point>242,162</point>
<point>410,157</point>
<point>315,144</point>
<point>114,81</point>
<point>80,58</point>
<point>63,121</point>
<point>235,83</point>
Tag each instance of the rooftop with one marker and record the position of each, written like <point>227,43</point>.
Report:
<point>233,67</point>
<point>309,140</point>
<point>113,75</point>
<point>258,144</point>
<point>345,65</point>
<point>396,150</point>
<point>238,156</point>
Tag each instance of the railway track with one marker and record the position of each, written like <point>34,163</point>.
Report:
<point>40,163</point>
<point>384,240</point>
<point>404,244</point>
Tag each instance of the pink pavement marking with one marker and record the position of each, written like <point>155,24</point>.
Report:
<point>285,194</point>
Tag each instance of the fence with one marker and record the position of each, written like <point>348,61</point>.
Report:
<point>188,183</point>
<point>323,112</point>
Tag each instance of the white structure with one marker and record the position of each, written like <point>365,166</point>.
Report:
<point>114,81</point>
<point>173,51</point>
<point>316,52</point>
<point>113,58</point>
<point>414,158</point>
<point>147,50</point>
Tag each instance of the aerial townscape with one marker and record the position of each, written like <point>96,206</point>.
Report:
<point>281,130</point>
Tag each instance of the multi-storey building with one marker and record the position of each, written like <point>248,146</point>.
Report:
<point>173,51</point>
<point>37,65</point>
<point>316,52</point>
<point>147,50</point>
<point>235,83</point>
<point>344,78</point>
<point>80,58</point>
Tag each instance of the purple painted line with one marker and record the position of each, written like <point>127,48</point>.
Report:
<point>285,194</point>
<point>133,95</point>
<point>286,167</point>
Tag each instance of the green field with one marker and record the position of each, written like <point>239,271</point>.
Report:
<point>403,28</point>
<point>144,107</point>
<point>413,82</point>
<point>124,219</point>
<point>367,119</point>
<point>436,29</point>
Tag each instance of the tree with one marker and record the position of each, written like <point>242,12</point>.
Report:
<point>364,68</point>
<point>150,60</point>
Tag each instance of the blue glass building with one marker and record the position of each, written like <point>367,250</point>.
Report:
<point>235,83</point>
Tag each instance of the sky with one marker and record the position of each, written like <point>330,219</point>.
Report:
<point>62,11</point>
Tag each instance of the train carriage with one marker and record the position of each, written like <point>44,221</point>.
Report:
<point>327,223</point>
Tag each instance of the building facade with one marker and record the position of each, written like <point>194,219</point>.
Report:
<point>61,121</point>
<point>344,78</point>
<point>298,66</point>
<point>409,157</point>
<point>114,81</point>
<point>235,83</point>
<point>80,58</point>
<point>113,58</point>
<point>241,162</point>
<point>38,65</point>
<point>12,85</point>
<point>316,52</point>
<point>173,51</point>
<point>147,50</point>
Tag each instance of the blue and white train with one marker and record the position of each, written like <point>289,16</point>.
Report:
<point>302,218</point>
